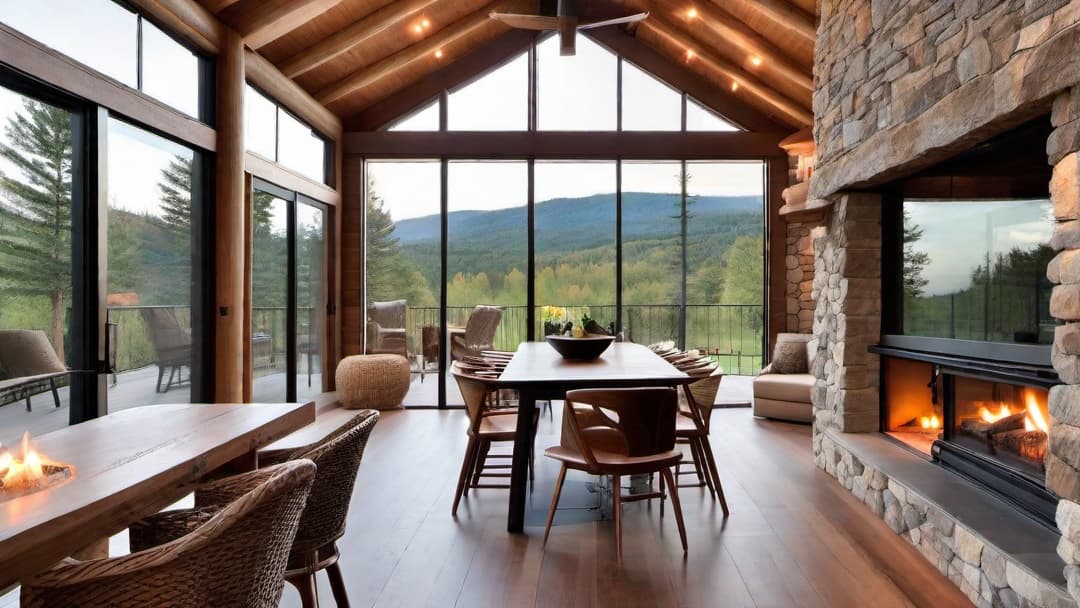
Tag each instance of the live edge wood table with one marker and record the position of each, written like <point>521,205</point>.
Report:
<point>540,373</point>
<point>129,465</point>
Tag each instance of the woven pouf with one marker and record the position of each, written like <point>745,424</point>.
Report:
<point>373,381</point>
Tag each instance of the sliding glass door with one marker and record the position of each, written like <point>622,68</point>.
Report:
<point>288,295</point>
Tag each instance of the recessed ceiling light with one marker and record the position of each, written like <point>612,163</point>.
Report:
<point>692,13</point>
<point>438,54</point>
<point>418,28</point>
<point>689,54</point>
<point>734,86</point>
<point>426,23</point>
<point>755,60</point>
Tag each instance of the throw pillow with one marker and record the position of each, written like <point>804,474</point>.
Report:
<point>789,356</point>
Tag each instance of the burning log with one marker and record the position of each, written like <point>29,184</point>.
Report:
<point>976,427</point>
<point>1030,445</point>
<point>1014,422</point>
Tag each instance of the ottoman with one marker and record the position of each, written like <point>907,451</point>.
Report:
<point>373,381</point>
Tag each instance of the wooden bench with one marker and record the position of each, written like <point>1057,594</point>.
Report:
<point>329,417</point>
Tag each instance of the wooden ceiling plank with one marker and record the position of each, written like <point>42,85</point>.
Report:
<point>260,22</point>
<point>787,16</point>
<point>355,34</point>
<point>793,111</point>
<point>421,50</point>
<point>478,62</point>
<point>728,28</point>
<point>285,91</point>
<point>731,108</point>
<point>216,6</point>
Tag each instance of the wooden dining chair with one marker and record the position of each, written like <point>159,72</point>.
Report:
<point>231,556</point>
<point>619,432</point>
<point>488,424</point>
<point>692,428</point>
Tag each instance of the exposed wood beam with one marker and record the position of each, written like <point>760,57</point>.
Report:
<point>359,32</point>
<point>187,19</point>
<point>787,16</point>
<point>737,145</point>
<point>264,75</point>
<point>733,109</point>
<point>290,180</point>
<point>261,22</point>
<point>421,50</point>
<point>728,29</point>
<point>477,62</point>
<point>791,110</point>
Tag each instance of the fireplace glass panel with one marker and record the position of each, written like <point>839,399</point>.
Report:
<point>1004,421</point>
<point>914,415</point>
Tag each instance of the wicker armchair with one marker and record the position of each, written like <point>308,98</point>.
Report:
<point>172,344</point>
<point>386,328</point>
<point>479,333</point>
<point>226,555</point>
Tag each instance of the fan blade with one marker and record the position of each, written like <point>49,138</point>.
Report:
<point>527,22</point>
<point>568,35</point>
<point>588,25</point>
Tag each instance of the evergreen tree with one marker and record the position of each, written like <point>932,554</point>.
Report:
<point>175,188</point>
<point>35,244</point>
<point>914,260</point>
<point>390,275</point>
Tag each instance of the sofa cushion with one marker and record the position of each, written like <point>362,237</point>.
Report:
<point>790,355</point>
<point>784,387</point>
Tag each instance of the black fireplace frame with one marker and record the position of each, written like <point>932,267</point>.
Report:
<point>1025,491</point>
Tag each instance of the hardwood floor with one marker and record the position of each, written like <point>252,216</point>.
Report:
<point>794,538</point>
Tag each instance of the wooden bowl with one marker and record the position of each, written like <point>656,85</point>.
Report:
<point>584,349</point>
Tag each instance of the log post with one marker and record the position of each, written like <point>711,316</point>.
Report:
<point>230,226</point>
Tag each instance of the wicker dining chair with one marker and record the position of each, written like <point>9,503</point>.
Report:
<point>638,439</point>
<point>232,555</point>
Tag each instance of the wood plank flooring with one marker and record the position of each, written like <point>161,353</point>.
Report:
<point>795,537</point>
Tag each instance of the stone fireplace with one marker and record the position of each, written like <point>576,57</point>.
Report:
<point>929,430</point>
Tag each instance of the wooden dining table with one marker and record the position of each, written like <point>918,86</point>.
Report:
<point>538,372</point>
<point>128,465</point>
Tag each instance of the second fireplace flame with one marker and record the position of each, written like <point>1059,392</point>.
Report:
<point>1034,420</point>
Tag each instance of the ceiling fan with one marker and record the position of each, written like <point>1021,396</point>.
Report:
<point>566,17</point>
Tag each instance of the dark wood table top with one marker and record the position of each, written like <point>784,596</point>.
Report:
<point>623,363</point>
<point>128,465</point>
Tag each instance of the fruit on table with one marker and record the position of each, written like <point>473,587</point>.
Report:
<point>578,331</point>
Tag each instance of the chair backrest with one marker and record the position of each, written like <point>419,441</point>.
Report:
<point>165,330</point>
<point>643,423</point>
<point>482,323</point>
<point>236,558</point>
<point>338,459</point>
<point>701,395</point>
<point>28,352</point>
<point>474,391</point>
<point>389,314</point>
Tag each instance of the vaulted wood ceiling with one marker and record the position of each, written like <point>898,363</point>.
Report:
<point>354,54</point>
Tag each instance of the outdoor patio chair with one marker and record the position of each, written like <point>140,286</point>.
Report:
<point>172,344</point>
<point>28,366</point>
<point>386,328</point>
<point>231,551</point>
<point>479,333</point>
<point>638,439</point>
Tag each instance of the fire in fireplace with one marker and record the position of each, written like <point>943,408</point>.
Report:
<point>1002,421</point>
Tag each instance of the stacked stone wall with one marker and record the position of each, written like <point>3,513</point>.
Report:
<point>799,269</point>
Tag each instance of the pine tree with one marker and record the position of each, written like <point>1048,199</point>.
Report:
<point>175,188</point>
<point>35,242</point>
<point>914,260</point>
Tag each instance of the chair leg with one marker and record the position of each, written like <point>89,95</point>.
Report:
<point>160,375</point>
<point>663,496</point>
<point>554,502</point>
<point>698,465</point>
<point>337,585</point>
<point>481,460</point>
<point>463,478</point>
<point>55,394</point>
<point>675,506</point>
<point>707,448</point>
<point>616,508</point>
<point>305,584</point>
<point>309,370</point>
<point>28,402</point>
<point>703,465</point>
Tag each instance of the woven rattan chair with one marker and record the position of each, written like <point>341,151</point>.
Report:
<point>638,439</point>
<point>230,552</point>
<point>479,333</point>
<point>323,522</point>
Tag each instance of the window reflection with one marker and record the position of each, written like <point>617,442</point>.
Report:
<point>976,270</point>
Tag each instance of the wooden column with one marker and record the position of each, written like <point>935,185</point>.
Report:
<point>230,231</point>
<point>776,295</point>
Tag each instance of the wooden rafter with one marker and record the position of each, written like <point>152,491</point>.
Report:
<point>794,112</point>
<point>357,33</point>
<point>264,75</point>
<point>423,49</point>
<point>785,15</point>
<point>260,22</point>
<point>725,27</point>
<point>216,6</point>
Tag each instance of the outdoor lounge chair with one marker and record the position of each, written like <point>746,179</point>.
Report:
<point>479,333</point>
<point>28,366</point>
<point>172,344</point>
<point>386,328</point>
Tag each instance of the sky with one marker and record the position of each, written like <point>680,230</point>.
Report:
<point>958,235</point>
